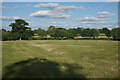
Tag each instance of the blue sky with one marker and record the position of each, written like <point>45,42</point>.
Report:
<point>60,0</point>
<point>61,14</point>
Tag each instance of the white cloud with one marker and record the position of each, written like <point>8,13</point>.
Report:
<point>58,23</point>
<point>49,5</point>
<point>72,26</point>
<point>91,19</point>
<point>109,25</point>
<point>86,25</point>
<point>87,19</point>
<point>94,22</point>
<point>104,14</point>
<point>61,25</point>
<point>68,8</point>
<point>12,18</point>
<point>114,23</point>
<point>113,0</point>
<point>56,6</point>
<point>50,14</point>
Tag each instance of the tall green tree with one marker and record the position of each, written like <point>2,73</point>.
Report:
<point>85,32</point>
<point>93,33</point>
<point>107,32</point>
<point>90,33</point>
<point>51,31</point>
<point>115,32</point>
<point>104,30</point>
<point>100,30</point>
<point>79,30</point>
<point>72,32</point>
<point>61,32</point>
<point>20,29</point>
<point>6,35</point>
<point>41,32</point>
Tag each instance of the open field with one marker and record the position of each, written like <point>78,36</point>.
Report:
<point>60,58</point>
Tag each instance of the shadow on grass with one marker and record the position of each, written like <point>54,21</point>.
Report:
<point>42,68</point>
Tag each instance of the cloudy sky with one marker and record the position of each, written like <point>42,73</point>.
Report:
<point>61,14</point>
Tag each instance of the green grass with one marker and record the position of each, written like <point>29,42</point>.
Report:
<point>64,58</point>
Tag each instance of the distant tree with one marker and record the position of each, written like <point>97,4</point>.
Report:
<point>41,32</point>
<point>104,30</point>
<point>51,31</point>
<point>100,30</point>
<point>115,32</point>
<point>79,30</point>
<point>85,32</point>
<point>35,31</point>
<point>72,32</point>
<point>108,33</point>
<point>61,32</point>
<point>6,35</point>
<point>19,29</point>
<point>93,33</point>
<point>90,33</point>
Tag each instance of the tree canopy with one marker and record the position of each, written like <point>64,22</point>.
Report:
<point>41,32</point>
<point>21,31</point>
<point>115,32</point>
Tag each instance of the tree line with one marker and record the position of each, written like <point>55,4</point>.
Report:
<point>20,31</point>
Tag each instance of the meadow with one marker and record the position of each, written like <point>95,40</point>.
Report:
<point>60,59</point>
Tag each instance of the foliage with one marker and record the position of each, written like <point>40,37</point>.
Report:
<point>93,33</point>
<point>85,33</point>
<point>20,31</point>
<point>79,30</point>
<point>6,35</point>
<point>61,32</point>
<point>41,32</point>
<point>106,31</point>
<point>72,32</point>
<point>116,33</point>
<point>51,31</point>
<point>90,33</point>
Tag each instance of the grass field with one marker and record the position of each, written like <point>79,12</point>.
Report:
<point>60,58</point>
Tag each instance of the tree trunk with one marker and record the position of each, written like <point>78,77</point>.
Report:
<point>20,39</point>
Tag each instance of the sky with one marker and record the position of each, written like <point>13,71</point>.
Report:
<point>61,14</point>
<point>60,0</point>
